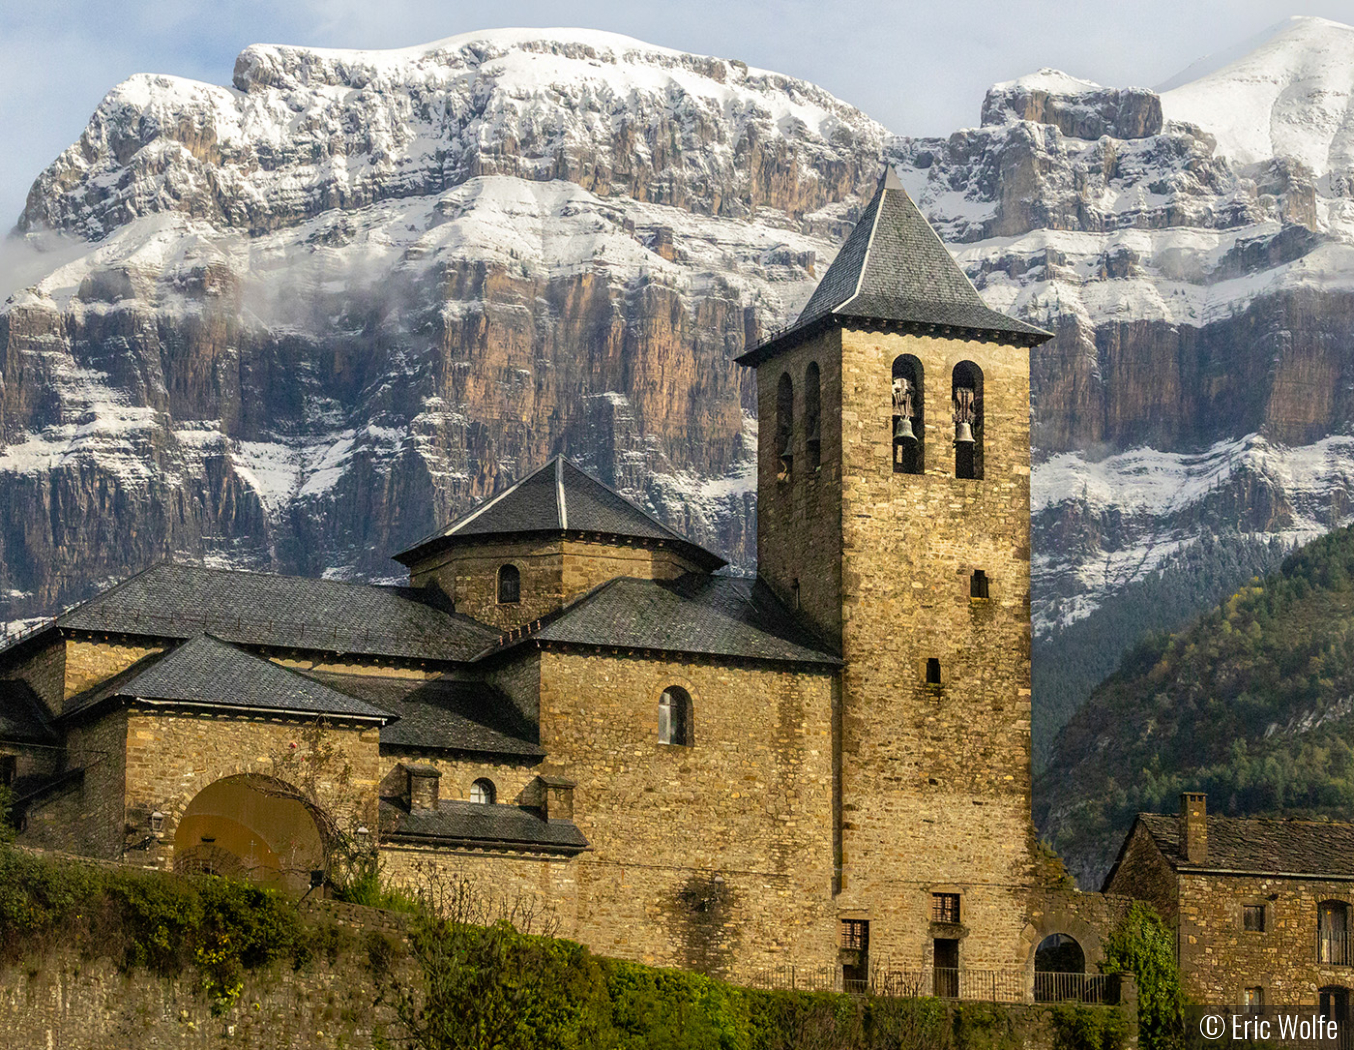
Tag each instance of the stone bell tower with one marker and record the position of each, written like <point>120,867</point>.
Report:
<point>894,513</point>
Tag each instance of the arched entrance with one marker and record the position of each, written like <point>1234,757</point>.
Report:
<point>252,827</point>
<point>1059,969</point>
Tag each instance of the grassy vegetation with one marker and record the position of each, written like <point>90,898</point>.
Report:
<point>1252,703</point>
<point>488,984</point>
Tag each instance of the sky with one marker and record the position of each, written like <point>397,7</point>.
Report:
<point>917,68</point>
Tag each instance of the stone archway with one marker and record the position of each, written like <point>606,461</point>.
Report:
<point>255,827</point>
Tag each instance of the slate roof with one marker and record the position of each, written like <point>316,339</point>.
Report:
<point>452,712</point>
<point>894,267</point>
<point>1262,846</point>
<point>694,614</point>
<point>477,824</point>
<point>559,497</point>
<point>249,608</point>
<point>206,672</point>
<point>23,715</point>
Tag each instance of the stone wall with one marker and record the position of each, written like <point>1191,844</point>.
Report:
<point>1219,958</point>
<point>717,856</point>
<point>92,660</point>
<point>1142,872</point>
<point>85,814</point>
<point>173,756</point>
<point>935,787</point>
<point>514,782</point>
<point>553,572</point>
<point>40,664</point>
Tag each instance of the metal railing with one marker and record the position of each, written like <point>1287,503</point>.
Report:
<point>1333,947</point>
<point>992,986</point>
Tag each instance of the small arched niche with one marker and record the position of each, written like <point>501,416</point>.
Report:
<point>675,717</point>
<point>909,416</point>
<point>967,396</point>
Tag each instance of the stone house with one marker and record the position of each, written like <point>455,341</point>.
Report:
<point>826,767</point>
<point>1261,907</point>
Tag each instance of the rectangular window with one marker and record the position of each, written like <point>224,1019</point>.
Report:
<point>945,907</point>
<point>8,768</point>
<point>1253,918</point>
<point>856,935</point>
<point>1254,999</point>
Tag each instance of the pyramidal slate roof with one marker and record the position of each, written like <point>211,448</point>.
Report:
<point>895,268</point>
<point>295,612</point>
<point>693,614</point>
<point>205,672</point>
<point>559,497</point>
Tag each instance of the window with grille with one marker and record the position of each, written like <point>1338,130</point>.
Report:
<point>944,907</point>
<point>1253,918</point>
<point>856,935</point>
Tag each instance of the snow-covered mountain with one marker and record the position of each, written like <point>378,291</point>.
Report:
<point>299,320</point>
<point>293,322</point>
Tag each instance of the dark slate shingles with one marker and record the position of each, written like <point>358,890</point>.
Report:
<point>1256,844</point>
<point>697,614</point>
<point>248,608</point>
<point>894,267</point>
<point>558,497</point>
<point>206,672</point>
<point>450,712</point>
<point>473,823</point>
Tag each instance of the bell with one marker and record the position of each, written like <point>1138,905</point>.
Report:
<point>902,429</point>
<point>963,434</point>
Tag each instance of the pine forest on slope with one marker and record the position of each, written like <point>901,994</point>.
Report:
<point>1253,703</point>
<point>292,323</point>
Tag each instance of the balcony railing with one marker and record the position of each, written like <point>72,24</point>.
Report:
<point>1333,947</point>
<point>992,986</point>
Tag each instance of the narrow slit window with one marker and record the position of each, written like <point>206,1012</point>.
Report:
<point>509,585</point>
<point>813,422</point>
<point>674,717</point>
<point>977,584</point>
<point>932,671</point>
<point>785,426</point>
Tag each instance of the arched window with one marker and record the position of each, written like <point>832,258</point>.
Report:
<point>509,585</point>
<point>1332,933</point>
<point>483,792</point>
<point>909,416</point>
<point>967,393</point>
<point>813,423</point>
<point>785,426</point>
<point>674,716</point>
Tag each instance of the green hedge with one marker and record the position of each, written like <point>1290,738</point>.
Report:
<point>477,987</point>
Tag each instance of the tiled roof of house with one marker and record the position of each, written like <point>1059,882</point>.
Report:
<point>249,608</point>
<point>452,712</point>
<point>694,614</point>
<point>205,672</point>
<point>23,715</point>
<point>1260,845</point>
<point>894,267</point>
<point>477,824</point>
<point>559,497</point>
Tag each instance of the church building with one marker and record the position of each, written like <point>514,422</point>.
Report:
<point>825,767</point>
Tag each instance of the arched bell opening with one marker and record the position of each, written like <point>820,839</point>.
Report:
<point>252,827</point>
<point>1059,968</point>
<point>967,395</point>
<point>909,416</point>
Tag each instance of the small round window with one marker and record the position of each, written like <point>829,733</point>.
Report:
<point>482,791</point>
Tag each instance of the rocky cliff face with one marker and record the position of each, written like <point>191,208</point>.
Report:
<point>295,322</point>
<point>309,316</point>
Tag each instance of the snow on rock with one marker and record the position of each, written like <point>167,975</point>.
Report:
<point>1292,95</point>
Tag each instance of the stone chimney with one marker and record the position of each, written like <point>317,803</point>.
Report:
<point>1194,826</point>
<point>423,788</point>
<point>557,798</point>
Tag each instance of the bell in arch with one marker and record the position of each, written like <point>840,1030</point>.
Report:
<point>902,429</point>
<point>963,433</point>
